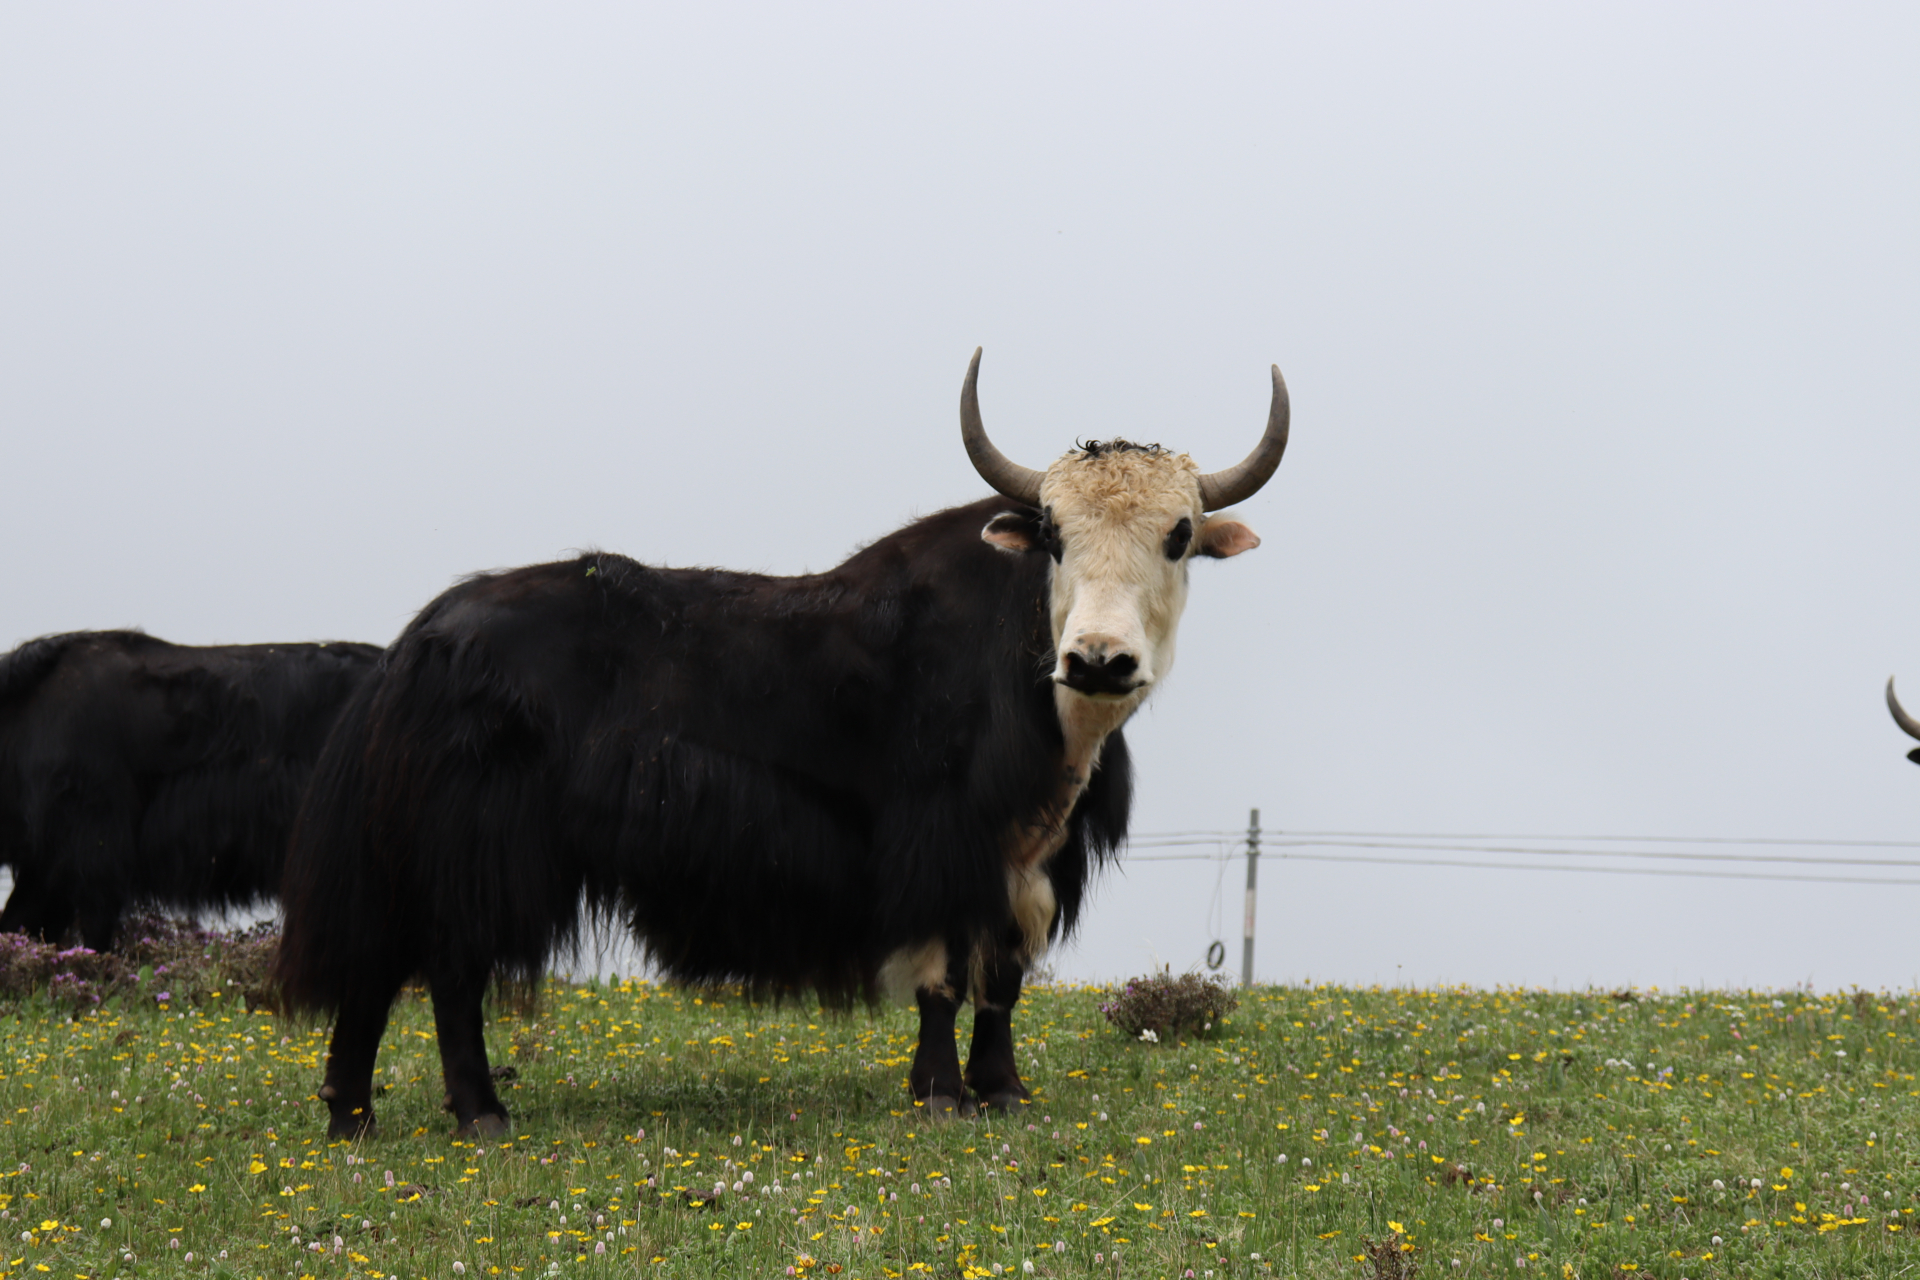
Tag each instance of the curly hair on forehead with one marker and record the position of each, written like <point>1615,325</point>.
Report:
<point>1095,448</point>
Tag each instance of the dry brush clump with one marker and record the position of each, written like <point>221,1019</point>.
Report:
<point>159,959</point>
<point>1161,1005</point>
<point>71,978</point>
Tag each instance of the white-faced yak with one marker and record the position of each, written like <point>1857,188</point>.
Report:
<point>137,772</point>
<point>895,774</point>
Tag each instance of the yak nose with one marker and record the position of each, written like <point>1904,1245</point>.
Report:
<point>1100,667</point>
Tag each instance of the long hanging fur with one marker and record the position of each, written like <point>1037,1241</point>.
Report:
<point>134,771</point>
<point>775,781</point>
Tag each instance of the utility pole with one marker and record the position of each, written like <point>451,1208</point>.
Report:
<point>1253,878</point>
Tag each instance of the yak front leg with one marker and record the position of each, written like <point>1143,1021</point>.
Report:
<point>461,1027</point>
<point>991,1070</point>
<point>348,1091</point>
<point>935,1078</point>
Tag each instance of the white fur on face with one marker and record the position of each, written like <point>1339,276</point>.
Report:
<point>1115,590</point>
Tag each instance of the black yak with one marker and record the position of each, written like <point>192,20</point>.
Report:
<point>134,771</point>
<point>895,774</point>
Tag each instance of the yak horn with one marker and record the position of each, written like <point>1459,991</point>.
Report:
<point>1900,716</point>
<point>1008,477</point>
<point>1237,484</point>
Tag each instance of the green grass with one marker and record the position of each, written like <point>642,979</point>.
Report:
<point>194,1131</point>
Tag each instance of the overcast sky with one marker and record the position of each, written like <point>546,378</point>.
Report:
<point>1601,324</point>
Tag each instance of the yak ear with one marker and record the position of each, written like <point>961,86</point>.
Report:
<point>1914,755</point>
<point>1221,537</point>
<point>1012,532</point>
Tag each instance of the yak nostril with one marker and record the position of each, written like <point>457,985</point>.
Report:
<point>1101,674</point>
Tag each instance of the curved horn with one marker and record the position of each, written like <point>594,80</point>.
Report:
<point>1008,477</point>
<point>1900,716</point>
<point>1237,484</point>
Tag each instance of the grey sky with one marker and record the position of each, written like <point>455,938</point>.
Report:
<point>1600,321</point>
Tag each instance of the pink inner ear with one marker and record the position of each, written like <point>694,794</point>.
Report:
<point>1223,538</point>
<point>1008,535</point>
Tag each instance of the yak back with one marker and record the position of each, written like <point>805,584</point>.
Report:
<point>170,772</point>
<point>775,781</point>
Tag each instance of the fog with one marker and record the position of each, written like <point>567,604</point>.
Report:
<point>1600,324</point>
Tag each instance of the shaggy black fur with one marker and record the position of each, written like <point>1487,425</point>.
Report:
<point>133,771</point>
<point>775,781</point>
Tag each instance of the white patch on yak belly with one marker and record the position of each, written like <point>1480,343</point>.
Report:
<point>911,968</point>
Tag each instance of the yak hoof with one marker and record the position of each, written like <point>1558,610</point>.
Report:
<point>352,1128</point>
<point>1006,1100</point>
<point>485,1125</point>
<point>342,1122</point>
<point>940,1107</point>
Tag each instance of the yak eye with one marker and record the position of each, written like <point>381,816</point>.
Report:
<point>1179,538</point>
<point>1050,535</point>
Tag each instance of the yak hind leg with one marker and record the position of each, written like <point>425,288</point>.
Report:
<point>91,855</point>
<point>461,1028</point>
<point>348,1090</point>
<point>100,917</point>
<point>935,1079</point>
<point>992,1072</point>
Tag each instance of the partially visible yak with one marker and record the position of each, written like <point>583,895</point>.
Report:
<point>134,771</point>
<point>1905,721</point>
<point>897,774</point>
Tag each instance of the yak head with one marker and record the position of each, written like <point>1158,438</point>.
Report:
<point>1121,522</point>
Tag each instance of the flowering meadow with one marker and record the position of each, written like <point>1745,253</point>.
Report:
<point>1316,1131</point>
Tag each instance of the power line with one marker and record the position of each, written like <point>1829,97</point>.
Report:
<point>1458,846</point>
<point>1521,866</point>
<point>1661,854</point>
<point>1147,836</point>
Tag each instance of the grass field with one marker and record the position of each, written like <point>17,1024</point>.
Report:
<point>1319,1132</point>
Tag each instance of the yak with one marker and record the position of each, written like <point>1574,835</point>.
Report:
<point>898,774</point>
<point>134,771</point>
